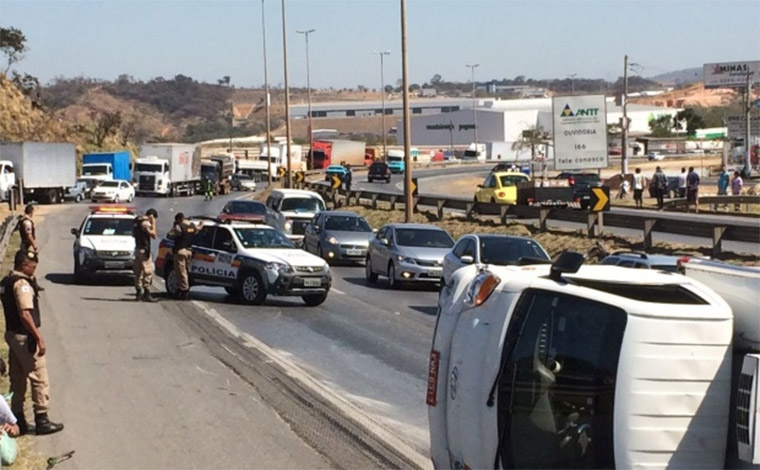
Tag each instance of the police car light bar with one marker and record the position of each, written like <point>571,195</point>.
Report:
<point>112,209</point>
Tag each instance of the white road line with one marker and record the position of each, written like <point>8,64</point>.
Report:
<point>337,291</point>
<point>316,387</point>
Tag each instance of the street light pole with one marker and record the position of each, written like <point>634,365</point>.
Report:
<point>624,126</point>
<point>310,161</point>
<point>382,92</point>
<point>266,90</point>
<point>572,82</point>
<point>288,135</point>
<point>474,107</point>
<point>408,198</point>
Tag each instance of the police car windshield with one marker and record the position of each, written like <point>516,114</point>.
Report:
<point>245,207</point>
<point>108,226</point>
<point>262,238</point>
<point>302,204</point>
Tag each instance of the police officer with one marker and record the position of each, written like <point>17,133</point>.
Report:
<point>348,177</point>
<point>182,233</point>
<point>209,189</point>
<point>144,229</point>
<point>27,231</point>
<point>26,346</point>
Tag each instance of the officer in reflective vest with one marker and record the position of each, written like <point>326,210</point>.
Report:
<point>182,233</point>
<point>26,345</point>
<point>144,230</point>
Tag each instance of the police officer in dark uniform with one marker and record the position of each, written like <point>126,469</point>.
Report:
<point>27,231</point>
<point>182,233</point>
<point>348,177</point>
<point>25,342</point>
<point>144,230</point>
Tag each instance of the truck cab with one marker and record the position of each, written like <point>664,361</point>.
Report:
<point>572,366</point>
<point>97,172</point>
<point>395,160</point>
<point>7,179</point>
<point>151,175</point>
<point>291,210</point>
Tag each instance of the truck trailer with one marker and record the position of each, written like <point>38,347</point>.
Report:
<point>105,166</point>
<point>168,169</point>
<point>338,152</point>
<point>42,171</point>
<point>219,169</point>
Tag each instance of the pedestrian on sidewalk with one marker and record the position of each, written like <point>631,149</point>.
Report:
<point>660,184</point>
<point>26,345</point>
<point>182,233</point>
<point>723,182</point>
<point>639,182</point>
<point>682,183</point>
<point>736,188</point>
<point>144,230</point>
<point>692,190</point>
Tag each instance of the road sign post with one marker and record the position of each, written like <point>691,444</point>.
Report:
<point>300,179</point>
<point>580,132</point>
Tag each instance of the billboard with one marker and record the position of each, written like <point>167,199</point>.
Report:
<point>737,124</point>
<point>580,132</point>
<point>731,74</point>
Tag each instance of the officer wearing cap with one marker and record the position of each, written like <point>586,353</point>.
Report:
<point>26,345</point>
<point>26,229</point>
<point>182,233</point>
<point>144,230</point>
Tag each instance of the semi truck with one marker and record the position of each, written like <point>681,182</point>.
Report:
<point>167,169</point>
<point>339,152</point>
<point>395,160</point>
<point>219,169</point>
<point>42,171</point>
<point>105,166</point>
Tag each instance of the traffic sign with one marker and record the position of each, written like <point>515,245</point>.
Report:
<point>281,171</point>
<point>300,176</point>
<point>600,199</point>
<point>336,181</point>
<point>415,188</point>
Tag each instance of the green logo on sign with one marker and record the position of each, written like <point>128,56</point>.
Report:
<point>567,111</point>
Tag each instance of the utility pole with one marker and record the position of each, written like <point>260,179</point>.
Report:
<point>474,107</point>
<point>382,54</point>
<point>572,82</point>
<point>266,90</point>
<point>309,162</point>
<point>748,129</point>
<point>408,200</point>
<point>624,124</point>
<point>288,177</point>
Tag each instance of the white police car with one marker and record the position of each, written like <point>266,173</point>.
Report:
<point>104,242</point>
<point>250,261</point>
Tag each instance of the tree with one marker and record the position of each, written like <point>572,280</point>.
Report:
<point>662,126</point>
<point>436,80</point>
<point>107,123</point>
<point>224,81</point>
<point>530,139</point>
<point>12,46</point>
<point>29,85</point>
<point>692,120</point>
<point>388,89</point>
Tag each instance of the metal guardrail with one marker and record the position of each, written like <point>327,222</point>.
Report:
<point>745,199</point>
<point>7,228</point>
<point>718,231</point>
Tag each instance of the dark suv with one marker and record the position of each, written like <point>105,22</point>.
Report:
<point>582,184</point>
<point>379,171</point>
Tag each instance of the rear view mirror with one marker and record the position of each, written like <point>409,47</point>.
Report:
<point>467,259</point>
<point>75,232</point>
<point>384,241</point>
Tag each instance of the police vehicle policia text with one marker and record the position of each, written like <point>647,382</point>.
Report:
<point>250,261</point>
<point>570,366</point>
<point>104,242</point>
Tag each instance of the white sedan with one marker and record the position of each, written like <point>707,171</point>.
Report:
<point>113,191</point>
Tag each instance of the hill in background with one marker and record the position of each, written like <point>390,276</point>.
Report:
<point>679,77</point>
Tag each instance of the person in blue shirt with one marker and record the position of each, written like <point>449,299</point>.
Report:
<point>723,181</point>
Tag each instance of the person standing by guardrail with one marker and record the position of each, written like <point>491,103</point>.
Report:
<point>639,181</point>
<point>660,186</point>
<point>723,181</point>
<point>692,189</point>
<point>736,188</point>
<point>682,183</point>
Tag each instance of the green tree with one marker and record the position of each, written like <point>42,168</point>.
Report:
<point>692,120</point>
<point>12,46</point>
<point>662,126</point>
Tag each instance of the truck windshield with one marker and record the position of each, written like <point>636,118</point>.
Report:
<point>262,238</point>
<point>302,204</point>
<point>557,382</point>
<point>108,226</point>
<point>149,167</point>
<point>392,158</point>
<point>93,170</point>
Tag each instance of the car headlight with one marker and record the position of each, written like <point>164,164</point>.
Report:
<point>481,288</point>
<point>279,267</point>
<point>333,241</point>
<point>288,226</point>
<point>406,259</point>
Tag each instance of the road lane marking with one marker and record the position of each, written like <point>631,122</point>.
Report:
<point>316,387</point>
<point>337,291</point>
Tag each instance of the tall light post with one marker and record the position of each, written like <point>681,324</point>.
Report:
<point>474,107</point>
<point>408,197</point>
<point>382,54</point>
<point>572,82</point>
<point>266,90</point>
<point>624,122</point>
<point>288,135</point>
<point>310,161</point>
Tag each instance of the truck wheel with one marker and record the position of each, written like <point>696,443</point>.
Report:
<point>252,289</point>
<point>314,299</point>
<point>52,196</point>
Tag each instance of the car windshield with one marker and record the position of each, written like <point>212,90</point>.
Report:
<point>108,226</point>
<point>262,238</point>
<point>245,207</point>
<point>503,251</point>
<point>347,223</point>
<point>149,167</point>
<point>423,238</point>
<point>109,184</point>
<point>90,170</point>
<point>512,180</point>
<point>302,204</point>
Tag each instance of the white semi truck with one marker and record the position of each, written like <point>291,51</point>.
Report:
<point>167,169</point>
<point>572,366</point>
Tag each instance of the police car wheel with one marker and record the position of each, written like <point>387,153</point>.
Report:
<point>78,272</point>
<point>252,289</point>
<point>172,286</point>
<point>314,299</point>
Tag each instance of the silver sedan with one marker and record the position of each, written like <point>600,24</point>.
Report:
<point>338,235</point>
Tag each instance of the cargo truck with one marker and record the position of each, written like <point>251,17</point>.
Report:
<point>219,169</point>
<point>105,166</point>
<point>339,152</point>
<point>258,168</point>
<point>42,171</point>
<point>167,169</point>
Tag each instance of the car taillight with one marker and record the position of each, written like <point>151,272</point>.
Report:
<point>432,384</point>
<point>531,200</point>
<point>571,181</point>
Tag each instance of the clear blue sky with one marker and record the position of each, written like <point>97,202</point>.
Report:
<point>539,39</point>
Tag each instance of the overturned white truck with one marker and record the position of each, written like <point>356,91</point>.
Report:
<point>578,366</point>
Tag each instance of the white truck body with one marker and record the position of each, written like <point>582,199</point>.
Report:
<point>167,169</point>
<point>44,170</point>
<point>475,152</point>
<point>508,152</point>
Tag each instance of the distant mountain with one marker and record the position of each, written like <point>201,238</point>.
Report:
<point>679,77</point>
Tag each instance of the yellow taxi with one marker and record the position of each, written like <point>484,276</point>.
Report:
<point>501,187</point>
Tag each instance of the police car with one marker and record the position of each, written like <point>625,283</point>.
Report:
<point>104,241</point>
<point>251,261</point>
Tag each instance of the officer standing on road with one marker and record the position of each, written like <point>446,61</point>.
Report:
<point>26,346</point>
<point>347,178</point>
<point>144,230</point>
<point>209,189</point>
<point>182,233</point>
<point>27,231</point>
